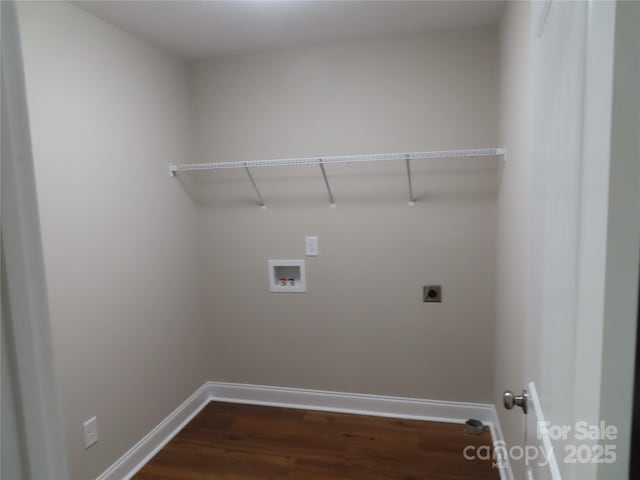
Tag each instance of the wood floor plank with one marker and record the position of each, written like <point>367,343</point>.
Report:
<point>229,441</point>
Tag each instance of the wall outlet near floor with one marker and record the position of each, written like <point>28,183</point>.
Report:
<point>90,428</point>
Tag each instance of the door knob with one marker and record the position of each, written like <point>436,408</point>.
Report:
<point>510,400</point>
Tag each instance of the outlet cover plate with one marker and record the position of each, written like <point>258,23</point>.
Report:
<point>90,429</point>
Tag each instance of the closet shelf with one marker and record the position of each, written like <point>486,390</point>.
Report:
<point>322,161</point>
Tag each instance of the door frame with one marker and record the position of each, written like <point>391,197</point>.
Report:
<point>24,269</point>
<point>634,461</point>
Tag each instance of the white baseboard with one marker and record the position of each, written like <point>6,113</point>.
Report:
<point>362,404</point>
<point>138,455</point>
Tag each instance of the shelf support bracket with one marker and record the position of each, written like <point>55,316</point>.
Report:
<point>255,187</point>
<point>412,201</point>
<point>326,182</point>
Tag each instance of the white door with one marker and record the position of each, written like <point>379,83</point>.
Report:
<point>559,52</point>
<point>573,62</point>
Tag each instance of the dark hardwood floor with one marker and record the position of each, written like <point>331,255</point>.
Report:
<point>228,441</point>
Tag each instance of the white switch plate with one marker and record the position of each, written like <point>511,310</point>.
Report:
<point>311,246</point>
<point>90,428</point>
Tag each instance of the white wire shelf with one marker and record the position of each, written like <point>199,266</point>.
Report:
<point>322,161</point>
<point>376,157</point>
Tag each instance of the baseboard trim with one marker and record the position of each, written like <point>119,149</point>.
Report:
<point>138,455</point>
<point>356,403</point>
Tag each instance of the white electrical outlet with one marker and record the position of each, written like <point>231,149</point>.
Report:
<point>311,246</point>
<point>90,428</point>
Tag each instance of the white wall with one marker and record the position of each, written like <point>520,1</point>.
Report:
<point>108,114</point>
<point>362,325</point>
<point>513,214</point>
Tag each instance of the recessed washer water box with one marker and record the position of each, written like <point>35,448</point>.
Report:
<point>287,276</point>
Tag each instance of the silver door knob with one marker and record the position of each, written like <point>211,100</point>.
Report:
<point>510,400</point>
